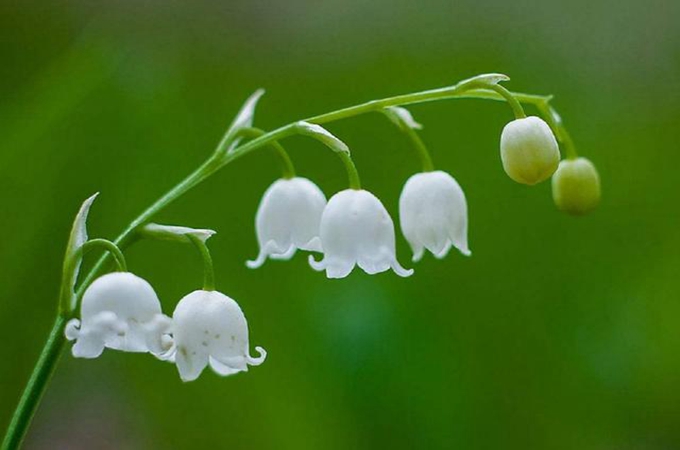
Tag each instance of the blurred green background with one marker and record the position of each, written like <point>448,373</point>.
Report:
<point>558,333</point>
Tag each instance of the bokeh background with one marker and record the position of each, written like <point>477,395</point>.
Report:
<point>558,333</point>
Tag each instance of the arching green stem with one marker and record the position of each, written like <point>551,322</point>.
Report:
<point>413,136</point>
<point>227,151</point>
<point>510,98</point>
<point>421,149</point>
<point>110,247</point>
<point>352,173</point>
<point>287,167</point>
<point>208,270</point>
<point>555,122</point>
<point>35,387</point>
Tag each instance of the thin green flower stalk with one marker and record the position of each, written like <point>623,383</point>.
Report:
<point>402,118</point>
<point>287,166</point>
<point>230,149</point>
<point>208,270</point>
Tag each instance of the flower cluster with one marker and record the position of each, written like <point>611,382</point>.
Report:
<point>121,311</point>
<point>354,228</point>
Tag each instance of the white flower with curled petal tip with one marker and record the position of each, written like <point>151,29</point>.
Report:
<point>433,214</point>
<point>209,328</point>
<point>119,311</point>
<point>357,229</point>
<point>288,219</point>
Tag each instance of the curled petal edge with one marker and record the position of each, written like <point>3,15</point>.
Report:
<point>259,359</point>
<point>332,270</point>
<point>317,265</point>
<point>271,250</point>
<point>400,270</point>
<point>72,329</point>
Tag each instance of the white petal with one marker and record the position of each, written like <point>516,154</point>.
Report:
<point>377,262</point>
<point>335,268</point>
<point>92,338</point>
<point>399,270</point>
<point>256,361</point>
<point>158,340</point>
<point>316,265</point>
<point>441,253</point>
<point>226,370</point>
<point>313,245</point>
<point>230,365</point>
<point>133,341</point>
<point>109,328</point>
<point>418,251</point>
<point>461,244</point>
<point>190,364</point>
<point>88,346</point>
<point>285,255</point>
<point>72,329</point>
<point>269,249</point>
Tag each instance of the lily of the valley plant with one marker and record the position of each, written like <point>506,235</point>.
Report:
<point>120,311</point>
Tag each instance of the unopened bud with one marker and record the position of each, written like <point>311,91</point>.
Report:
<point>529,150</point>
<point>576,186</point>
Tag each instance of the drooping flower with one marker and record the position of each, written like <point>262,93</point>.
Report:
<point>576,186</point>
<point>357,229</point>
<point>209,328</point>
<point>433,214</point>
<point>288,219</point>
<point>119,311</point>
<point>529,150</point>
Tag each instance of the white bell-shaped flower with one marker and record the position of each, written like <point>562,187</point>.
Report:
<point>433,214</point>
<point>288,219</point>
<point>209,328</point>
<point>119,311</point>
<point>357,229</point>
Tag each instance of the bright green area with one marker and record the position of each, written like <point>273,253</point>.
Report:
<point>558,333</point>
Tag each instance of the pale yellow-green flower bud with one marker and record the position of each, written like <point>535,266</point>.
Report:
<point>576,186</point>
<point>529,150</point>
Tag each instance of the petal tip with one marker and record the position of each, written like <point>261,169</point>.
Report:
<point>399,270</point>
<point>316,265</point>
<point>72,329</point>
<point>256,361</point>
<point>256,263</point>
